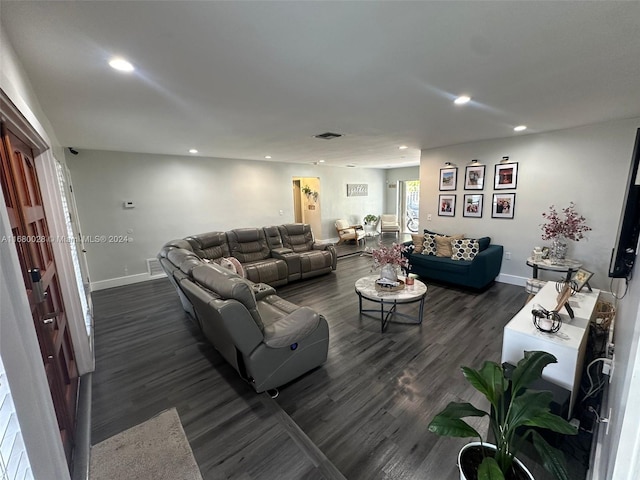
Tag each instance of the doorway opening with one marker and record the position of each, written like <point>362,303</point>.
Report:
<point>306,203</point>
<point>409,200</point>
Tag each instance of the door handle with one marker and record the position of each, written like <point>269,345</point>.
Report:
<point>47,319</point>
<point>36,285</point>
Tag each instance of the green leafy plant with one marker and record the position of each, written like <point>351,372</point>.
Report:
<point>513,407</point>
<point>370,219</point>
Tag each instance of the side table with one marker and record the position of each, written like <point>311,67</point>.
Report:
<point>567,266</point>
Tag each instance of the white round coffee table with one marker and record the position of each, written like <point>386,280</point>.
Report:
<point>366,288</point>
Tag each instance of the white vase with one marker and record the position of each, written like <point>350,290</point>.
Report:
<point>558,250</point>
<point>388,272</point>
<point>491,447</point>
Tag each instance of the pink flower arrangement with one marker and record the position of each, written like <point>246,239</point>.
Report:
<point>572,227</point>
<point>393,255</point>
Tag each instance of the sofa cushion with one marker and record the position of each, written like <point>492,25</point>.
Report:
<point>464,249</point>
<point>291,328</point>
<point>297,236</point>
<point>211,245</point>
<point>484,243</point>
<point>248,244</point>
<point>441,264</point>
<point>214,278</point>
<point>417,242</point>
<point>444,244</point>
<point>429,245</point>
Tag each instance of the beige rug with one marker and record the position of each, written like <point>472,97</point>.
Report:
<point>157,449</point>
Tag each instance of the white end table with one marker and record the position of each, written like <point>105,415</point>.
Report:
<point>568,345</point>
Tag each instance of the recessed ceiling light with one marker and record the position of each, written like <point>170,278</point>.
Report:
<point>461,100</point>
<point>321,161</point>
<point>267,156</point>
<point>402,147</point>
<point>520,128</point>
<point>121,65</point>
<point>193,150</point>
<point>351,165</point>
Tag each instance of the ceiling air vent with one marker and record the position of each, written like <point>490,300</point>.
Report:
<point>328,136</point>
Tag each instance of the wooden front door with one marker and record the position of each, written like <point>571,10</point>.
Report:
<point>32,241</point>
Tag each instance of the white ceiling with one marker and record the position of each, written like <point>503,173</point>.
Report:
<point>241,79</point>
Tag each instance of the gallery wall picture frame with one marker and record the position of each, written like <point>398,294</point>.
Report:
<point>506,176</point>
<point>581,278</point>
<point>474,177</point>
<point>503,205</point>
<point>472,206</point>
<point>447,205</point>
<point>448,178</point>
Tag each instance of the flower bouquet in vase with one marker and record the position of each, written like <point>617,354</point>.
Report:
<point>389,259</point>
<point>559,229</point>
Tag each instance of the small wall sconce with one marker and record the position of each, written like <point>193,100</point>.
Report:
<point>475,161</point>
<point>504,159</point>
<point>449,164</point>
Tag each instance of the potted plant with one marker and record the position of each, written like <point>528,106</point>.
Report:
<point>370,219</point>
<point>514,409</point>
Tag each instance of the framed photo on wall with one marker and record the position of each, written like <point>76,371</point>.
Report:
<point>447,205</point>
<point>472,205</point>
<point>506,176</point>
<point>474,177</point>
<point>503,205</point>
<point>448,178</point>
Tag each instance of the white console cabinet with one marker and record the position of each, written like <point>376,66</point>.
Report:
<point>568,345</point>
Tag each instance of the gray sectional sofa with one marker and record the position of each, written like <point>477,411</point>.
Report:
<point>266,339</point>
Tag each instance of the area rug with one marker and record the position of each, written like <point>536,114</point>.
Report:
<point>157,449</point>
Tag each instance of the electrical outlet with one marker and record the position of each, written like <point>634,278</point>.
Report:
<point>606,367</point>
<point>428,217</point>
<point>507,255</point>
<point>613,366</point>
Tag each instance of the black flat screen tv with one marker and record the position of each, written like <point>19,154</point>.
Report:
<point>624,252</point>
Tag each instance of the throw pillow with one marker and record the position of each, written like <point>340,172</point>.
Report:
<point>429,246</point>
<point>464,249</point>
<point>226,263</point>
<point>417,243</point>
<point>237,266</point>
<point>444,244</point>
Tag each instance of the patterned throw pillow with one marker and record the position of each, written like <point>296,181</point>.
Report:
<point>232,264</point>
<point>464,249</point>
<point>429,245</point>
<point>417,243</point>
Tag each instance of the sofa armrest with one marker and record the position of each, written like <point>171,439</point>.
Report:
<point>292,328</point>
<point>280,252</point>
<point>238,324</point>
<point>489,260</point>
<point>328,247</point>
<point>262,290</point>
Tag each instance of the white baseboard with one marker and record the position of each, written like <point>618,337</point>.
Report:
<point>121,281</point>
<point>511,279</point>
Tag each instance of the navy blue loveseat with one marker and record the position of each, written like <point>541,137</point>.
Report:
<point>476,274</point>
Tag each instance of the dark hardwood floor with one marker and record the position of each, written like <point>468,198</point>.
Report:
<point>362,415</point>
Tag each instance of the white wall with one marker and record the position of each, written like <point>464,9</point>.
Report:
<point>587,165</point>
<point>18,342</point>
<point>394,175</point>
<point>180,196</point>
